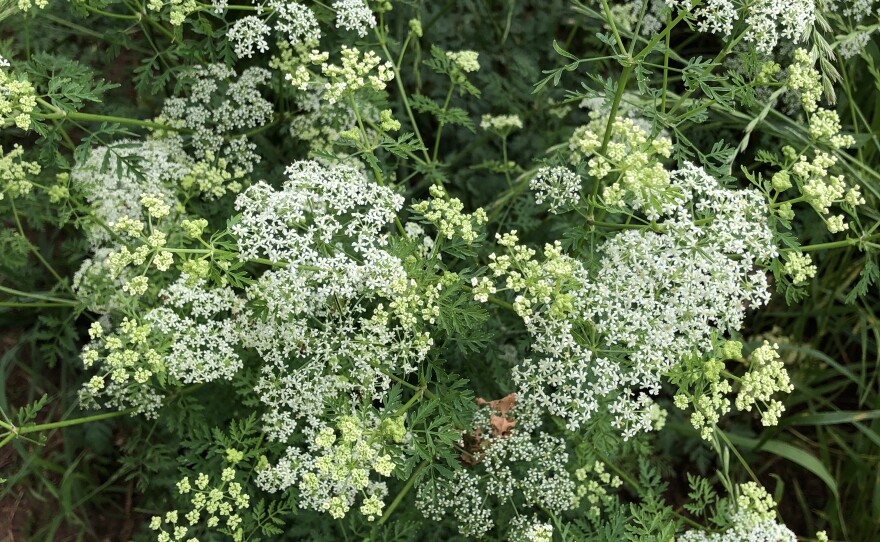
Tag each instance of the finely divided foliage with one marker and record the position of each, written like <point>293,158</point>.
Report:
<point>306,244</point>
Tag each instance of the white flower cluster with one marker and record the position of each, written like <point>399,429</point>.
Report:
<point>768,21</point>
<point>340,200</point>
<point>526,462</point>
<point>551,297</point>
<point>629,15</point>
<point>332,321</point>
<point>524,529</point>
<point>114,178</point>
<point>354,15</point>
<point>218,107</point>
<point>192,338</point>
<point>771,20</point>
<point>659,297</point>
<point>295,21</point>
<point>352,352</point>
<point>753,520</point>
<point>662,296</point>
<point>338,314</point>
<point>247,34</point>
<point>855,13</point>
<point>558,186</point>
<point>96,286</point>
<point>202,332</point>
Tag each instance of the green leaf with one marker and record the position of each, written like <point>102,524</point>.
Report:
<point>870,275</point>
<point>832,418</point>
<point>66,82</point>
<point>563,52</point>
<point>792,453</point>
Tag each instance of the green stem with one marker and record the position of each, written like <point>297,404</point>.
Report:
<point>34,248</point>
<point>739,457</point>
<point>41,297</point>
<point>397,500</point>
<point>838,244</point>
<point>656,39</point>
<point>75,421</point>
<point>413,400</point>
<point>160,28</point>
<point>708,70</point>
<point>399,83</point>
<point>506,166</point>
<point>616,226</point>
<point>89,117</point>
<point>40,305</point>
<point>610,19</point>
<point>108,14</point>
<point>440,128</point>
<point>618,95</point>
<point>376,171</point>
<point>403,49</point>
<point>421,390</point>
<point>665,68</point>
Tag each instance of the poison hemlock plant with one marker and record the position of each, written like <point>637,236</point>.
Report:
<point>358,270</point>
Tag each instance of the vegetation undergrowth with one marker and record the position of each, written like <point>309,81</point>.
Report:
<point>410,270</point>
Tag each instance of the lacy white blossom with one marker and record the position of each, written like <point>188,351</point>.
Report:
<point>527,462</point>
<point>524,529</point>
<point>114,178</point>
<point>658,298</point>
<point>338,315</point>
<point>354,15</point>
<point>220,105</point>
<point>296,21</point>
<point>341,200</point>
<point>767,21</point>
<point>558,186</point>
<point>753,520</point>
<point>201,326</point>
<point>247,34</point>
